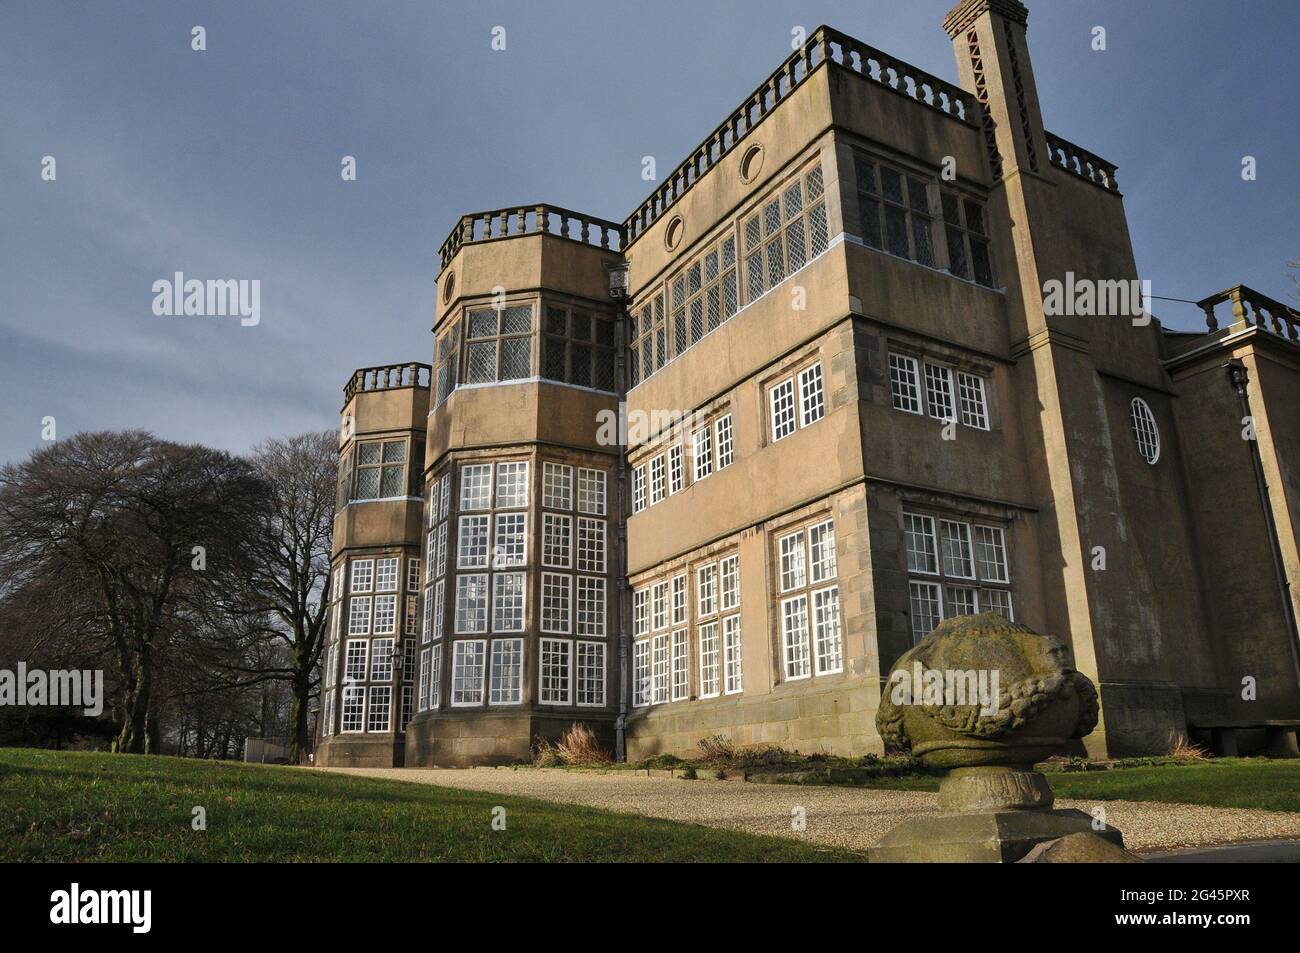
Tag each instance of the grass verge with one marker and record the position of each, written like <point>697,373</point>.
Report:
<point>74,806</point>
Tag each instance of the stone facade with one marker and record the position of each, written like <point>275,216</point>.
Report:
<point>851,411</point>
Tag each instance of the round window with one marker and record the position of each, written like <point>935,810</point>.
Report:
<point>448,286</point>
<point>673,233</point>
<point>1145,431</point>
<point>751,163</point>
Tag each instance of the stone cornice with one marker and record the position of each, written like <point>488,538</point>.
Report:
<point>968,11</point>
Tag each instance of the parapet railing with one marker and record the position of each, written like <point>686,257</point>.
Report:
<point>823,46</point>
<point>1252,309</point>
<point>1079,161</point>
<point>387,377</point>
<point>531,220</point>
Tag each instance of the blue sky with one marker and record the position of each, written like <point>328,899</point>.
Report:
<point>225,163</point>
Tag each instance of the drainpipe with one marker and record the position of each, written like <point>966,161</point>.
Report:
<point>1239,380</point>
<point>618,291</point>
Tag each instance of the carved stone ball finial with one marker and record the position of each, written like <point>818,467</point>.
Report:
<point>986,699</point>
<point>1041,702</point>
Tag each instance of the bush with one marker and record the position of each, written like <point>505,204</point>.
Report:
<point>578,745</point>
<point>717,749</point>
<point>662,762</point>
<point>1181,749</point>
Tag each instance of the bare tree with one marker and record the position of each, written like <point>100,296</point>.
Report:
<point>132,541</point>
<point>291,577</point>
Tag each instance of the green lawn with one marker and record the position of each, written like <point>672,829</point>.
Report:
<point>1223,782</point>
<point>61,806</point>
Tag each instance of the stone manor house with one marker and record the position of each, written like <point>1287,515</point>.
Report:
<point>850,414</point>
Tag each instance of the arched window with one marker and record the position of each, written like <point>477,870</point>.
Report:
<point>1145,431</point>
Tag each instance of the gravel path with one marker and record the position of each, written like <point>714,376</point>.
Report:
<point>854,818</point>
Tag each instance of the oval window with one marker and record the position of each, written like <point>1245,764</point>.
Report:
<point>751,163</point>
<point>673,233</point>
<point>1145,431</point>
<point>448,286</point>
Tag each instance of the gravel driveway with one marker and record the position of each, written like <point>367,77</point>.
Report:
<point>843,817</point>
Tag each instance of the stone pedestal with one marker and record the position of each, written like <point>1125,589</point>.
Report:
<point>990,837</point>
<point>992,814</point>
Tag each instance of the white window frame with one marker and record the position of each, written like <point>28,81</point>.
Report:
<point>590,599</point>
<point>352,660</point>
<point>733,660</point>
<point>638,489</point>
<point>470,579</point>
<point>557,486</point>
<point>590,545</point>
<point>679,599</point>
<point>549,592</point>
<point>676,471</point>
<point>940,392</point>
<point>659,669</point>
<point>509,608</point>
<point>827,630</point>
<point>511,526</point>
<point>374,706</point>
<point>812,395</point>
<point>381,660</point>
<point>904,384</point>
<point>359,615</point>
<point>792,561</point>
<point>385,614</point>
<point>823,563</point>
<point>641,673</point>
<point>781,409</point>
<point>702,452</point>
<point>365,569</point>
<point>512,484</point>
<point>729,592</point>
<point>709,634</point>
<point>956,551</point>
<point>706,590</point>
<point>473,541</point>
<point>724,440</point>
<point>972,400</point>
<point>508,653</point>
<point>641,611</point>
<point>353,693</point>
<point>435,676</point>
<point>459,648</point>
<point>557,540</point>
<point>1146,432</point>
<point>591,491</point>
<point>545,661</point>
<point>475,483</point>
<point>680,665</point>
<point>386,573</point>
<point>423,700</point>
<point>658,479</point>
<point>589,676</point>
<point>796,654</point>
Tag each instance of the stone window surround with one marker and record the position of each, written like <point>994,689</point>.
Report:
<point>958,362</point>
<point>935,186</point>
<point>687,567</point>
<point>943,579</point>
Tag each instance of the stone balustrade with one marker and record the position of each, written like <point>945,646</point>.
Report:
<point>1252,309</point>
<point>531,220</point>
<point>825,45</point>
<point>1079,161</point>
<point>387,377</point>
